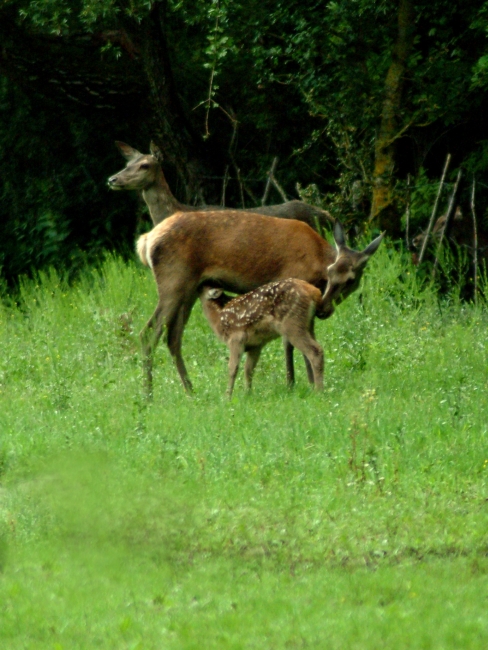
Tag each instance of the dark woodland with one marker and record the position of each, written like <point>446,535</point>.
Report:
<point>355,105</point>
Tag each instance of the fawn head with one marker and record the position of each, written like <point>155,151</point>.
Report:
<point>216,295</point>
<point>141,170</point>
<point>344,275</point>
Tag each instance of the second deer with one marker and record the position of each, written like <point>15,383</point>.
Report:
<point>144,172</point>
<point>246,323</point>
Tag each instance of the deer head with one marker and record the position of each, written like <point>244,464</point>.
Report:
<point>141,171</point>
<point>344,275</point>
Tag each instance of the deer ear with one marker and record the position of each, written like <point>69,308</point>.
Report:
<point>126,150</point>
<point>156,151</point>
<point>339,235</point>
<point>458,215</point>
<point>213,294</point>
<point>373,247</point>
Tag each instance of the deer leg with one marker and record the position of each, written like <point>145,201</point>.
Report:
<point>318,367</point>
<point>310,349</point>
<point>290,369</point>
<point>149,337</point>
<point>252,358</point>
<point>236,350</point>
<point>175,339</point>
<point>290,366</point>
<point>309,369</point>
<point>308,365</point>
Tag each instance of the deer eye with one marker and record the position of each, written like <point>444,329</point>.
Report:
<point>144,166</point>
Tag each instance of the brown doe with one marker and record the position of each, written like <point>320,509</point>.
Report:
<point>238,251</point>
<point>144,172</point>
<point>247,323</point>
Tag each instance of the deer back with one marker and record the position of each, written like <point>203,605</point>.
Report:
<point>309,214</point>
<point>239,250</point>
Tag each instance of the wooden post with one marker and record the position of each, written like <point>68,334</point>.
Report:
<point>279,188</point>
<point>475,244</point>
<point>434,210</point>
<point>446,222</point>
<point>407,215</point>
<point>224,185</point>
<point>269,180</point>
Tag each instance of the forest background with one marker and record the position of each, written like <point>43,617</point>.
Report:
<point>353,97</point>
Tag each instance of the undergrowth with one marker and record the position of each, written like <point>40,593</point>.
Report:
<point>281,519</point>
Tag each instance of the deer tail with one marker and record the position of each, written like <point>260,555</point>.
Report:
<point>142,251</point>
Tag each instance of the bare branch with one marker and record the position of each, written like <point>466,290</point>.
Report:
<point>224,185</point>
<point>475,242</point>
<point>407,215</point>
<point>279,188</point>
<point>268,181</point>
<point>434,210</point>
<point>446,222</point>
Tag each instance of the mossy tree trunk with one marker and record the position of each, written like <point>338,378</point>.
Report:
<point>382,208</point>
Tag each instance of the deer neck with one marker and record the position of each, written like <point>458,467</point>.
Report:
<point>212,313</point>
<point>160,200</point>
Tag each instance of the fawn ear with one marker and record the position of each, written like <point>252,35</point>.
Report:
<point>156,151</point>
<point>213,294</point>
<point>126,150</point>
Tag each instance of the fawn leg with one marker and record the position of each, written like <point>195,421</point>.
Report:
<point>236,350</point>
<point>308,365</point>
<point>251,360</point>
<point>290,369</point>
<point>309,368</point>
<point>309,347</point>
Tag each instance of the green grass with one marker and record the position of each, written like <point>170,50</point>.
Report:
<point>284,519</point>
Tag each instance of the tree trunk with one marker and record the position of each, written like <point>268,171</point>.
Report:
<point>173,132</point>
<point>382,209</point>
<point>69,71</point>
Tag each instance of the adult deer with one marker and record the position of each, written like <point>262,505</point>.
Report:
<point>144,172</point>
<point>239,251</point>
<point>247,323</point>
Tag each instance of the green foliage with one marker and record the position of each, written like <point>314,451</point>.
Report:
<point>422,200</point>
<point>273,520</point>
<point>59,16</point>
<point>304,81</point>
<point>331,61</point>
<point>337,57</point>
<point>477,162</point>
<point>54,208</point>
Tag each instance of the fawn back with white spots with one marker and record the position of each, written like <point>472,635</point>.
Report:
<point>246,323</point>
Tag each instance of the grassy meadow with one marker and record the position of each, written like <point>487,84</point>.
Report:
<point>357,518</point>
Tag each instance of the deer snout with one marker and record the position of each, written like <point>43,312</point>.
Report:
<point>325,311</point>
<point>112,183</point>
<point>331,294</point>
